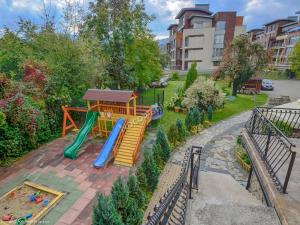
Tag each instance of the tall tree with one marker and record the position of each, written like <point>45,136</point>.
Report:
<point>191,76</point>
<point>126,43</point>
<point>294,58</point>
<point>242,60</point>
<point>162,140</point>
<point>151,171</point>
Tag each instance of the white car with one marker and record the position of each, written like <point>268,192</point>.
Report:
<point>267,85</point>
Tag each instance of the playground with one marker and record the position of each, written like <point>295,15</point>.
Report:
<point>86,159</point>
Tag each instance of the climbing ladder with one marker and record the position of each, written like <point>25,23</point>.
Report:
<point>130,144</point>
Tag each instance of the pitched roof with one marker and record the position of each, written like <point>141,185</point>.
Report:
<point>172,25</point>
<point>108,95</point>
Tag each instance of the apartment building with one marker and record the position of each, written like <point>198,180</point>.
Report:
<point>200,36</point>
<point>278,36</point>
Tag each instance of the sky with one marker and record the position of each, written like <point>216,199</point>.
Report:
<point>255,12</point>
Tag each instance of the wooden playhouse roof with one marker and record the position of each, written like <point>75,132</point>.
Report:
<point>108,95</point>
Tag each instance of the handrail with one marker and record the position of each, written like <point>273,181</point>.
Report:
<point>137,145</point>
<point>274,148</point>
<point>120,137</point>
<point>162,210</point>
<point>165,210</point>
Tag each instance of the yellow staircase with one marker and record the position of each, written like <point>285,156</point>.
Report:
<point>130,144</point>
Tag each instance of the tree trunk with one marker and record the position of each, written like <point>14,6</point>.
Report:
<point>235,85</point>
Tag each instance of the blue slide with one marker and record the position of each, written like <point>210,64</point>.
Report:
<point>108,146</point>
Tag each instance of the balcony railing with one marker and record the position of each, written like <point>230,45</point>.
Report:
<point>273,146</point>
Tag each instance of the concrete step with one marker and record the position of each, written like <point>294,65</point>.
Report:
<point>222,200</point>
<point>236,214</point>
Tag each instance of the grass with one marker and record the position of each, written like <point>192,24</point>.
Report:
<point>240,104</point>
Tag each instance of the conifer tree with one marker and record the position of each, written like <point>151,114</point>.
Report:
<point>162,140</point>
<point>191,76</point>
<point>209,113</point>
<point>151,171</point>
<point>157,155</point>
<point>141,177</point>
<point>135,191</point>
<point>120,195</point>
<point>189,119</point>
<point>198,118</point>
<point>181,130</point>
<point>104,212</point>
<point>173,135</point>
<point>134,213</point>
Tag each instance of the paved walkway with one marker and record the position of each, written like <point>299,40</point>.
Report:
<point>78,179</point>
<point>222,178</point>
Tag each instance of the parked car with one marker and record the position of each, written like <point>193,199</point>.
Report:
<point>162,83</point>
<point>267,85</point>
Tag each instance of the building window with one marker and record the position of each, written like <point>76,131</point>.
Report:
<point>217,52</point>
<point>219,39</point>
<point>288,51</point>
<point>186,53</point>
<point>186,41</point>
<point>220,25</point>
<point>293,40</point>
<point>216,63</point>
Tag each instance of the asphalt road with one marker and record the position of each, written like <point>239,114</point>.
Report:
<point>286,88</point>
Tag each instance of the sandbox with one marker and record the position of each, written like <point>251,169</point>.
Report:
<point>28,202</point>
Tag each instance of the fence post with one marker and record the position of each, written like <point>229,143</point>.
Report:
<point>253,122</point>
<point>288,174</point>
<point>191,174</point>
<point>249,177</point>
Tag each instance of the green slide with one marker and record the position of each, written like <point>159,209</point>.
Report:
<point>72,150</point>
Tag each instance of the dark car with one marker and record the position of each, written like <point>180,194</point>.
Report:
<point>267,85</point>
<point>162,83</point>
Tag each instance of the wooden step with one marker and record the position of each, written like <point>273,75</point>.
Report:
<point>123,164</point>
<point>128,161</point>
<point>123,153</point>
<point>124,158</point>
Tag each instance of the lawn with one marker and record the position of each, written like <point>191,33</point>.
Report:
<point>240,104</point>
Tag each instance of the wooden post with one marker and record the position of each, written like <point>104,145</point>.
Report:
<point>64,122</point>
<point>127,108</point>
<point>88,105</point>
<point>134,106</point>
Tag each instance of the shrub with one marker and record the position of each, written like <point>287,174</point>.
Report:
<point>2,118</point>
<point>210,113</point>
<point>162,140</point>
<point>175,76</point>
<point>173,134</point>
<point>203,93</point>
<point>157,155</point>
<point>284,127</point>
<point>104,212</point>
<point>141,177</point>
<point>120,195</point>
<point>151,171</point>
<point>135,191</point>
<point>181,130</point>
<point>191,76</point>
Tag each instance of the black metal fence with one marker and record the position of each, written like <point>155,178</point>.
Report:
<point>273,146</point>
<point>171,208</point>
<point>286,120</point>
<point>151,97</point>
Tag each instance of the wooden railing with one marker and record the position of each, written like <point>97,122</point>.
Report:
<point>120,138</point>
<point>146,121</point>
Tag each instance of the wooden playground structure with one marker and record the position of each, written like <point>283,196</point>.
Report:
<point>112,105</point>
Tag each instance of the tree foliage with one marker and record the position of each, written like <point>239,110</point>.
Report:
<point>242,60</point>
<point>151,171</point>
<point>162,140</point>
<point>191,76</point>
<point>135,191</point>
<point>181,130</point>
<point>173,135</point>
<point>104,212</point>
<point>132,55</point>
<point>294,58</point>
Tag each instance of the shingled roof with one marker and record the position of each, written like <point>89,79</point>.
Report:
<point>108,95</point>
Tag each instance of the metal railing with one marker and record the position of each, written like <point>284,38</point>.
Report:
<point>286,120</point>
<point>171,208</point>
<point>274,148</point>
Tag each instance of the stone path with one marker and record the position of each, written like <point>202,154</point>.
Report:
<point>77,179</point>
<point>222,198</point>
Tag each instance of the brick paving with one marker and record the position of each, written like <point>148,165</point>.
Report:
<point>78,179</point>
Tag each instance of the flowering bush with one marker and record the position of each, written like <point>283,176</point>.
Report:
<point>203,93</point>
